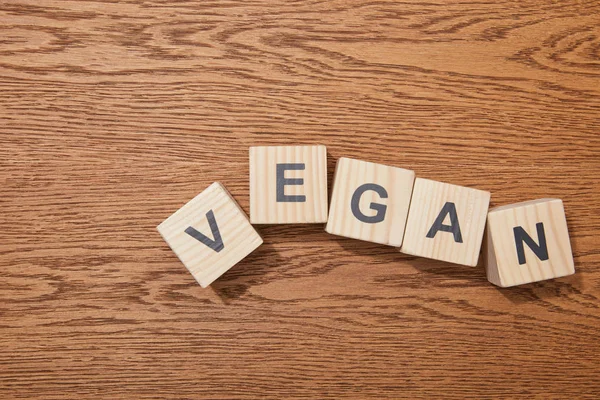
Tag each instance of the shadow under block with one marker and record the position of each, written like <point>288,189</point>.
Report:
<point>446,222</point>
<point>210,234</point>
<point>370,201</point>
<point>528,242</point>
<point>288,184</point>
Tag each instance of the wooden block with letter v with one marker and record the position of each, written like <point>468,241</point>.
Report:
<point>370,201</point>
<point>288,184</point>
<point>528,242</point>
<point>446,222</point>
<point>210,234</point>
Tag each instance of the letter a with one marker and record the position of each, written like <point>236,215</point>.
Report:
<point>438,225</point>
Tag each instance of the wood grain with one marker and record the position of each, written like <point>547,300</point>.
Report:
<point>113,114</point>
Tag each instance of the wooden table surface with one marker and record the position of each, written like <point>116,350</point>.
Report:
<point>114,114</point>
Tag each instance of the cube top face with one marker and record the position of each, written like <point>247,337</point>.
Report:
<point>210,234</point>
<point>370,201</point>
<point>446,222</point>
<point>528,242</point>
<point>288,184</point>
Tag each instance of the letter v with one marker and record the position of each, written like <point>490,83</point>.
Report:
<point>216,244</point>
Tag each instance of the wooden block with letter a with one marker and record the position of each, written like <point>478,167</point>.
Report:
<point>370,201</point>
<point>288,184</point>
<point>446,222</point>
<point>528,242</point>
<point>210,234</point>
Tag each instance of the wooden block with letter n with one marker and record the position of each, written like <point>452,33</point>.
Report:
<point>446,222</point>
<point>528,242</point>
<point>288,184</point>
<point>370,201</point>
<point>210,234</point>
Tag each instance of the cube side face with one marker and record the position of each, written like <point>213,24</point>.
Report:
<point>288,184</point>
<point>370,201</point>
<point>531,243</point>
<point>214,206</point>
<point>490,262</point>
<point>431,231</point>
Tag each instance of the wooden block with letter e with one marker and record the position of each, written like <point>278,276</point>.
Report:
<point>446,222</point>
<point>210,234</point>
<point>528,242</point>
<point>288,184</point>
<point>370,201</point>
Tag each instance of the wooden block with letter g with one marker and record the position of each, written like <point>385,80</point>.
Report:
<point>210,234</point>
<point>288,184</point>
<point>370,201</point>
<point>528,242</point>
<point>446,222</point>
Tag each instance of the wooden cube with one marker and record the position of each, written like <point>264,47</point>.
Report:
<point>446,222</point>
<point>288,184</point>
<point>210,234</point>
<point>528,242</point>
<point>370,201</point>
